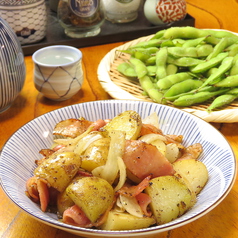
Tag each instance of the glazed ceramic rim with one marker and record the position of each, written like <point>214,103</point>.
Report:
<point>78,54</point>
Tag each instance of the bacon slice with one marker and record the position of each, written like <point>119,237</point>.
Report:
<point>143,159</point>
<point>75,127</point>
<point>31,189</point>
<point>75,216</point>
<point>144,200</point>
<point>38,191</point>
<point>174,138</point>
<point>43,193</point>
<point>84,173</point>
<point>148,129</point>
<point>58,147</point>
<point>132,191</point>
<point>137,192</point>
<point>98,124</point>
<point>191,152</point>
<point>46,152</point>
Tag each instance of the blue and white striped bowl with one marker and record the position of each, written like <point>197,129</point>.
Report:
<point>21,150</point>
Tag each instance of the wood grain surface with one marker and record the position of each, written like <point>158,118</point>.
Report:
<point>221,222</point>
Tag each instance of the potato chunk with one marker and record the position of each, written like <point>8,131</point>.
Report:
<point>126,221</point>
<point>92,194</point>
<point>170,198</point>
<point>129,122</point>
<point>59,169</point>
<point>63,202</point>
<point>96,154</point>
<point>194,173</point>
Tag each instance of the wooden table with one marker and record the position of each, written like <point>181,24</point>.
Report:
<point>222,222</point>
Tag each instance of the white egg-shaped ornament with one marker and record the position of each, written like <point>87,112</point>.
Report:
<point>160,12</point>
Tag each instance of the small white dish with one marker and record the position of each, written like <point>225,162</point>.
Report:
<point>58,72</point>
<point>18,157</point>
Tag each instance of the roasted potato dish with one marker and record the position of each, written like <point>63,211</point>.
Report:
<point>117,174</point>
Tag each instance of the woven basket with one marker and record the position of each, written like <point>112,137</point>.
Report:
<point>120,87</point>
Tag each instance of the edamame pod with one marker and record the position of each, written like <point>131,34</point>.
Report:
<point>185,61</point>
<point>167,43</point>
<point>193,42</point>
<point>221,101</point>
<point>210,39</point>
<point>186,32</point>
<point>220,34</point>
<point>199,97</point>
<point>150,89</point>
<point>192,92</point>
<point>211,71</point>
<point>147,44</point>
<point>178,42</point>
<point>170,80</point>
<point>204,50</point>
<point>234,68</point>
<point>182,52</point>
<point>126,69</point>
<point>222,69</point>
<point>140,67</point>
<point>151,61</point>
<point>228,82</point>
<point>218,48</point>
<point>233,51</point>
<point>141,55</point>
<point>159,34</point>
<point>233,91</point>
<point>171,69</point>
<point>149,50</point>
<point>132,51</point>
<point>161,59</point>
<point>183,87</point>
<point>204,66</point>
<point>155,95</point>
<point>151,70</point>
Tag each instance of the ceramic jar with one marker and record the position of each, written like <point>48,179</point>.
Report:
<point>160,12</point>
<point>121,11</point>
<point>27,18</point>
<point>12,66</point>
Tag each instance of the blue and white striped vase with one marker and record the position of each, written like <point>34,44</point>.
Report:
<point>12,66</point>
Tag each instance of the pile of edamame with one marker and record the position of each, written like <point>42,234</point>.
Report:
<point>186,66</point>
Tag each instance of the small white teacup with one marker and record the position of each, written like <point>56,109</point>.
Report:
<point>58,73</point>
